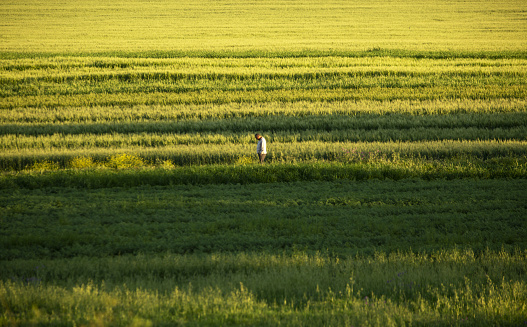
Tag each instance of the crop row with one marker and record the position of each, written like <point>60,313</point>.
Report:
<point>296,63</point>
<point>183,155</point>
<point>186,80</point>
<point>21,60</point>
<point>88,141</point>
<point>181,86</point>
<point>325,123</point>
<point>484,92</point>
<point>47,175</point>
<point>142,113</point>
<point>181,83</point>
<point>192,74</point>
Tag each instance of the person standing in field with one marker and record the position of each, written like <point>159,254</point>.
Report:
<point>261,148</point>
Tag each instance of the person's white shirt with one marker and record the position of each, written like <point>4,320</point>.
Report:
<point>261,148</point>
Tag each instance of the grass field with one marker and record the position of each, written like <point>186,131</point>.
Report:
<point>393,193</point>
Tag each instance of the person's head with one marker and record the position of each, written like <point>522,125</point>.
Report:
<point>257,136</point>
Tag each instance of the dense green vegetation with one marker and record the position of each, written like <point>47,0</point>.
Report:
<point>393,192</point>
<point>449,288</point>
<point>345,218</point>
<point>339,253</point>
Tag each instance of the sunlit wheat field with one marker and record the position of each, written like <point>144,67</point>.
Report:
<point>269,25</point>
<point>393,192</point>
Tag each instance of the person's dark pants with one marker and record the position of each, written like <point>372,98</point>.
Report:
<point>261,156</point>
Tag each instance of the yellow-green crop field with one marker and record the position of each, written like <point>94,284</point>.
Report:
<point>393,192</point>
<point>267,25</point>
